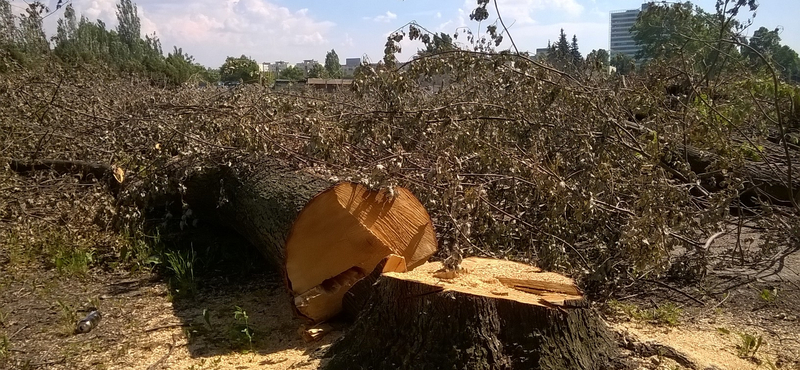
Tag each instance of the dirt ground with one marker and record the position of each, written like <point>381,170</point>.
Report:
<point>145,326</point>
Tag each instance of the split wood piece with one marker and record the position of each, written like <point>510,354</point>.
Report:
<point>342,234</point>
<point>314,333</point>
<point>484,317</point>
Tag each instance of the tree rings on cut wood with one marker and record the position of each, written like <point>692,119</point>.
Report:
<point>490,314</point>
<point>342,234</point>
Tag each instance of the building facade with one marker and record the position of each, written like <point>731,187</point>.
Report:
<point>275,67</point>
<point>306,65</point>
<point>621,38</point>
<point>350,65</point>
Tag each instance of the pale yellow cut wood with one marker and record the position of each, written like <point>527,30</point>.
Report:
<point>499,279</point>
<point>324,301</point>
<point>347,229</point>
<point>349,225</point>
<point>395,263</point>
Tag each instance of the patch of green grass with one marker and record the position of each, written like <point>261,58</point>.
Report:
<point>749,345</point>
<point>53,247</point>
<point>182,266</point>
<point>5,348</point>
<point>3,317</point>
<point>69,317</point>
<point>768,295</point>
<point>141,251</point>
<point>73,261</point>
<point>665,314</point>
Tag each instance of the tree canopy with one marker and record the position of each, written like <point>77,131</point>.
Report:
<point>292,73</point>
<point>241,69</point>
<point>332,65</point>
<point>767,43</point>
<point>317,71</point>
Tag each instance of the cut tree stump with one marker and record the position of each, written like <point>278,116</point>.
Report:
<point>491,314</point>
<point>323,239</point>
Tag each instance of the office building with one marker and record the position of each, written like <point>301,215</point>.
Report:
<point>621,37</point>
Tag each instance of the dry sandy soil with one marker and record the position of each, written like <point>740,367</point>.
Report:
<point>144,326</point>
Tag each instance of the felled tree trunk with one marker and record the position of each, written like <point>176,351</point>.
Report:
<point>767,181</point>
<point>112,176</point>
<point>259,199</point>
<point>337,239</point>
<point>490,315</point>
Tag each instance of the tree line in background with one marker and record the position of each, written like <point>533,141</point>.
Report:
<point>664,31</point>
<point>79,40</point>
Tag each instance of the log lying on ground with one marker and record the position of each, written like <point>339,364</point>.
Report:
<point>766,181</point>
<point>338,238</point>
<point>110,175</point>
<point>492,314</point>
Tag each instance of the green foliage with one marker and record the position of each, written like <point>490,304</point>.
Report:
<point>129,26</point>
<point>623,63</point>
<point>749,345</point>
<point>332,65</point>
<point>5,348</point>
<point>598,60</point>
<point>292,73</point>
<point>767,44</point>
<point>182,267</point>
<point>317,71</point>
<point>438,43</point>
<point>565,55</point>
<point>685,34</point>
<point>664,314</point>
<point>768,295</point>
<point>241,70</point>
<point>242,326</point>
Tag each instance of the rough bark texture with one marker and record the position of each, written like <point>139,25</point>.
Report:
<point>101,172</point>
<point>260,203</point>
<point>411,325</point>
<point>767,180</point>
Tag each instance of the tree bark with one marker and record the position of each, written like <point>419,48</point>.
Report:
<point>110,175</point>
<point>322,238</point>
<point>765,180</point>
<point>412,324</point>
<point>259,198</point>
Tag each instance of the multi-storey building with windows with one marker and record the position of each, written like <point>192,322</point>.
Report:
<point>621,37</point>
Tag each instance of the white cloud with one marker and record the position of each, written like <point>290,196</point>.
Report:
<point>211,29</point>
<point>383,18</point>
<point>438,15</point>
<point>348,41</point>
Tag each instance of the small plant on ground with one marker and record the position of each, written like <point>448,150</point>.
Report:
<point>665,314</point>
<point>5,348</point>
<point>768,295</point>
<point>749,345</point>
<point>69,317</point>
<point>242,326</point>
<point>182,266</point>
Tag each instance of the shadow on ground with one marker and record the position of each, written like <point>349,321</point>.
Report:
<point>237,302</point>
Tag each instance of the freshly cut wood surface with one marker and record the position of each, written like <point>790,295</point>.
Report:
<point>343,233</point>
<point>498,278</point>
<point>489,314</point>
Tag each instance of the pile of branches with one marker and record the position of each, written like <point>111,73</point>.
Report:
<point>585,173</point>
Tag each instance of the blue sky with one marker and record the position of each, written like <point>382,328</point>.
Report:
<point>293,30</point>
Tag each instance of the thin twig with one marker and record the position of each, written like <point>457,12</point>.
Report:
<point>687,295</point>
